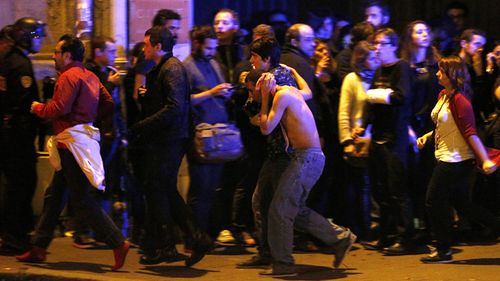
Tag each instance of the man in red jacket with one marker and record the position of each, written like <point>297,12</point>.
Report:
<point>78,99</point>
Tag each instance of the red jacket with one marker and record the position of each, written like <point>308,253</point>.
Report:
<point>462,112</point>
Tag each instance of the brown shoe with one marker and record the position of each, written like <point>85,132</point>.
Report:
<point>120,255</point>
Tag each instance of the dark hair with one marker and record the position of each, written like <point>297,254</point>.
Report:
<point>74,46</point>
<point>275,12</point>
<point>469,33</point>
<point>360,54</point>
<point>99,42</point>
<point>384,8</point>
<point>431,54</point>
<point>137,49</point>
<point>456,70</point>
<point>390,34</point>
<point>202,32</point>
<point>263,30</point>
<point>164,15</point>
<point>234,15</point>
<point>267,47</point>
<point>315,19</point>
<point>459,6</point>
<point>163,36</point>
<point>361,31</point>
<point>254,75</point>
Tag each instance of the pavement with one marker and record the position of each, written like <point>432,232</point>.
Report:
<point>471,263</point>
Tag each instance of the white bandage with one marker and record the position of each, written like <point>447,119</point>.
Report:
<point>381,96</point>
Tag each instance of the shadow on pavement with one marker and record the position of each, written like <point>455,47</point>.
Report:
<point>481,261</point>
<point>230,250</point>
<point>314,272</point>
<point>173,271</point>
<point>72,266</point>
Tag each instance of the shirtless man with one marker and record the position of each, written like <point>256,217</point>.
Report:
<point>288,209</point>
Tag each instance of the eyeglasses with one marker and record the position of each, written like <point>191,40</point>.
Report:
<point>375,43</point>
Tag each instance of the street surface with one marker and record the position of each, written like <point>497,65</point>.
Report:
<point>471,263</point>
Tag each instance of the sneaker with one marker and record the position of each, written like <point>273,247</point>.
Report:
<point>244,239</point>
<point>248,239</point>
<point>256,261</point>
<point>438,257</point>
<point>280,270</point>
<point>342,248</point>
<point>398,249</point>
<point>83,241</point>
<point>225,236</point>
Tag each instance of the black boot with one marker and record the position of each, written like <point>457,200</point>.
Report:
<point>202,244</point>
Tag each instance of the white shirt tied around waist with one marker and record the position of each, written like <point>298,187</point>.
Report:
<point>82,141</point>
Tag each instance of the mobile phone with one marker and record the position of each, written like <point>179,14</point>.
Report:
<point>236,87</point>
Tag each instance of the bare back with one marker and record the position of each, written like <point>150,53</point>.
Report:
<point>297,120</point>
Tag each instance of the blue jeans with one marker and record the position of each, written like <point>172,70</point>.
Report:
<point>288,208</point>
<point>268,181</point>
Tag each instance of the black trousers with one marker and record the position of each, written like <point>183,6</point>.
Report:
<point>157,168</point>
<point>72,182</point>
<point>18,168</point>
<point>449,186</point>
<point>388,172</point>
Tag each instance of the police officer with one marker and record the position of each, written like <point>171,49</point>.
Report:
<point>17,134</point>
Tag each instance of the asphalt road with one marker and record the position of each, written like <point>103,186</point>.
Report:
<point>471,263</point>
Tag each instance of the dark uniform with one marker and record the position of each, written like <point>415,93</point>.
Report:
<point>17,149</point>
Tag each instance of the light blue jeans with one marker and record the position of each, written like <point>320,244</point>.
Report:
<point>288,207</point>
<point>268,181</point>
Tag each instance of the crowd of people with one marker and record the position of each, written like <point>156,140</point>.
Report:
<point>351,133</point>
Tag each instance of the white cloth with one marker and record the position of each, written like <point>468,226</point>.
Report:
<point>450,144</point>
<point>83,142</point>
<point>382,96</point>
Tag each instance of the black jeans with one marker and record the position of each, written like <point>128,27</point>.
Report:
<point>242,215</point>
<point>204,180</point>
<point>388,172</point>
<point>357,205</point>
<point>449,185</point>
<point>71,179</point>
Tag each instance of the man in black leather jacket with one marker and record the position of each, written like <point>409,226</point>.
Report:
<point>161,137</point>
